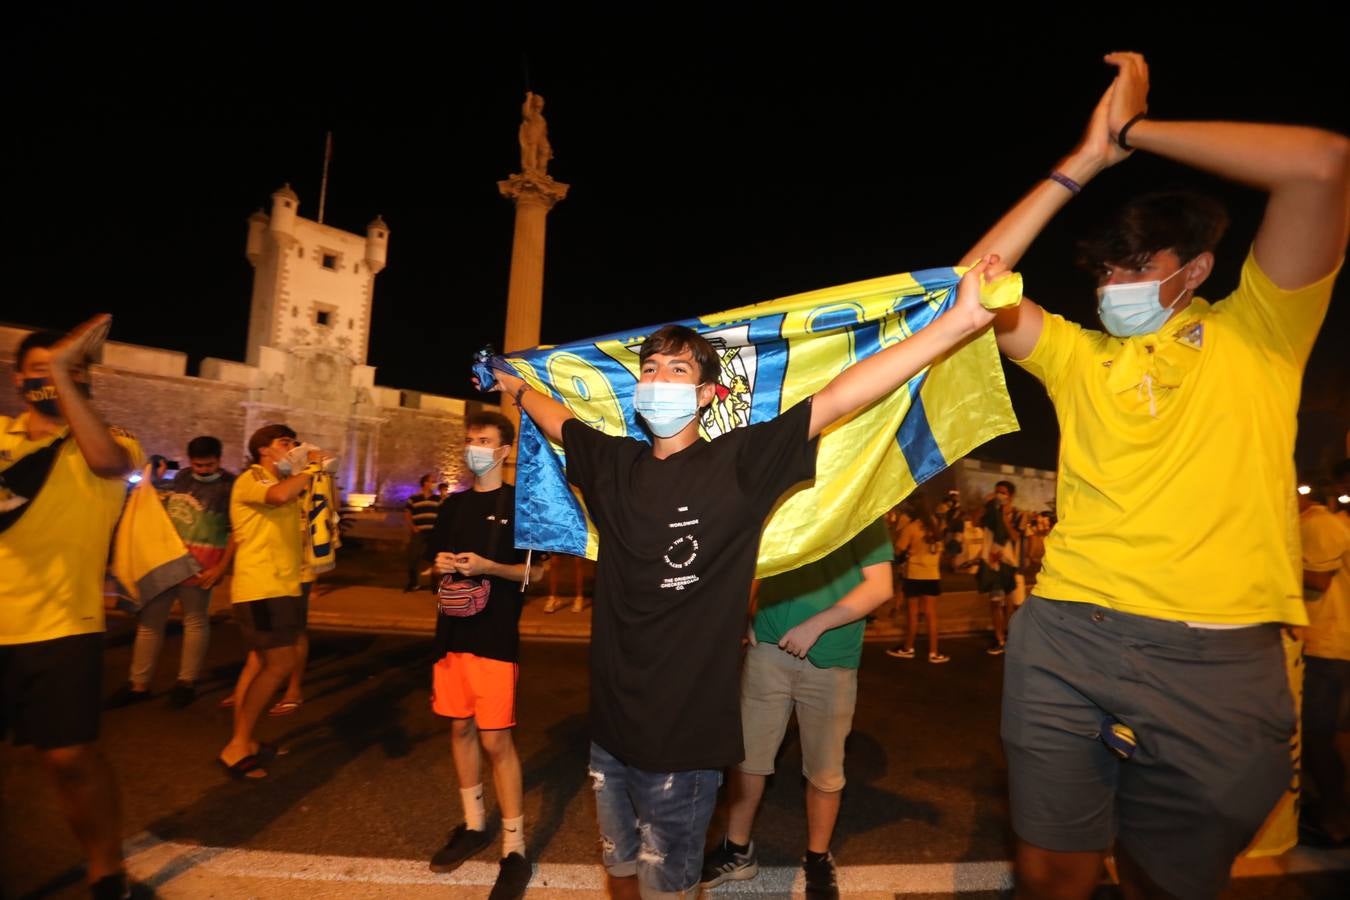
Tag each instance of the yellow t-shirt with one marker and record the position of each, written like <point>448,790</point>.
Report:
<point>1176,477</point>
<point>923,556</point>
<point>1326,548</point>
<point>53,558</point>
<point>267,555</point>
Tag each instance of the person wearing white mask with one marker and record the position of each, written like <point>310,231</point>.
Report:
<point>266,589</point>
<point>1174,561</point>
<point>478,649</point>
<point>679,521</point>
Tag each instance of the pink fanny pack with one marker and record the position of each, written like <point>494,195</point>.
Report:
<point>462,597</point>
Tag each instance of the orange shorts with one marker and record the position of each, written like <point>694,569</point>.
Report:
<point>465,686</point>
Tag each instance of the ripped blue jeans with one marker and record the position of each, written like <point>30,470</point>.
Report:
<point>653,824</point>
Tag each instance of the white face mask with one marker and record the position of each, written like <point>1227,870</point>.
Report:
<point>666,407</point>
<point>480,460</point>
<point>207,479</point>
<point>1130,309</point>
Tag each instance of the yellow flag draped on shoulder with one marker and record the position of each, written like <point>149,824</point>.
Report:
<point>773,355</point>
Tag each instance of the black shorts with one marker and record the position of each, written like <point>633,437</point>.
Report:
<point>51,691</point>
<point>272,621</point>
<point>921,587</point>
<point>989,580</point>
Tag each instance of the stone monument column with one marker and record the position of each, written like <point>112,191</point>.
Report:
<point>534,193</point>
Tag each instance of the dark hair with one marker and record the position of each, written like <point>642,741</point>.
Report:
<point>674,339</point>
<point>921,512</point>
<point>36,340</point>
<point>425,478</point>
<point>993,520</point>
<point>1012,488</point>
<point>266,435</point>
<point>204,447</point>
<point>1186,223</point>
<point>485,419</point>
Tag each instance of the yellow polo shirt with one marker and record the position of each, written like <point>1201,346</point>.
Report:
<point>53,558</point>
<point>1176,475</point>
<point>1326,548</point>
<point>267,555</point>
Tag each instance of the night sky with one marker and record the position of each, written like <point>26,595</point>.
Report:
<point>714,160</point>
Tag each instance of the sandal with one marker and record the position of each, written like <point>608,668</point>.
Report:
<point>900,652</point>
<point>226,702</point>
<point>938,658</point>
<point>246,767</point>
<point>285,707</point>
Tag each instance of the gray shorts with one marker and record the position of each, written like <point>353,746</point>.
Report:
<point>773,684</point>
<point>1212,715</point>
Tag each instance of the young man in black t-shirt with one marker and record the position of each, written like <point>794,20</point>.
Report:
<point>474,678</point>
<point>679,523</point>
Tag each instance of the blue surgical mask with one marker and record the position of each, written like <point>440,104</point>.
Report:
<point>283,468</point>
<point>480,460</point>
<point>1130,309</point>
<point>207,479</point>
<point>665,406</point>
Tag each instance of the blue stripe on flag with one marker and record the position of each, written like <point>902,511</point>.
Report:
<point>915,437</point>
<point>771,357</point>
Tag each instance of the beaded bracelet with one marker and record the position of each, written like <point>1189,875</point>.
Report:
<point>1062,179</point>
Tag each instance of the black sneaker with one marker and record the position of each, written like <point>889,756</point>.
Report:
<point>512,878</point>
<point>182,694</point>
<point>462,843</point>
<point>125,696</point>
<point>820,882</point>
<point>724,864</point>
<point>111,887</point>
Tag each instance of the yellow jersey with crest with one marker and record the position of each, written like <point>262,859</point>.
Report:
<point>1176,474</point>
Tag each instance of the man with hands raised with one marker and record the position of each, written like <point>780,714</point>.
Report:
<point>1145,700</point>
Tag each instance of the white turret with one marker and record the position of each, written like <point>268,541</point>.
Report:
<point>257,230</point>
<point>377,244</point>
<point>285,207</point>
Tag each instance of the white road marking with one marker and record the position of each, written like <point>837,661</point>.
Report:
<point>159,862</point>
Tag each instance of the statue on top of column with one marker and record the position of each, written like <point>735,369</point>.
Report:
<point>535,150</point>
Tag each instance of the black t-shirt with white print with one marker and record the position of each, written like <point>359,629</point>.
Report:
<point>481,522</point>
<point>678,542</point>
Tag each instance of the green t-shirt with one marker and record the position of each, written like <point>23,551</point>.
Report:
<point>791,598</point>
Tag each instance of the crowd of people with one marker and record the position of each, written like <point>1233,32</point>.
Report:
<point>1155,604</point>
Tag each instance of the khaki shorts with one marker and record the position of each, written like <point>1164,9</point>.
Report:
<point>773,684</point>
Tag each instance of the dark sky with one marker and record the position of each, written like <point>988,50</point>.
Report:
<point>714,159</point>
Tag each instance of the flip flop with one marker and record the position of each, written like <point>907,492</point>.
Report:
<point>269,752</point>
<point>226,702</point>
<point>285,707</point>
<point>246,767</point>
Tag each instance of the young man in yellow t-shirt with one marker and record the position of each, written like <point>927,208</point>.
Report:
<point>268,601</point>
<point>61,491</point>
<point>1175,558</point>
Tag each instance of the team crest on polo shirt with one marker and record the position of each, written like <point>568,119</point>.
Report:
<point>1192,336</point>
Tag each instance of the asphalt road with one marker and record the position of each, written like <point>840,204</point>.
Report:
<point>367,791</point>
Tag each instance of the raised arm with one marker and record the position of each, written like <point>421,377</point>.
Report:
<point>1305,171</point>
<point>105,457</point>
<point>1019,327</point>
<point>546,412</point>
<point>880,374</point>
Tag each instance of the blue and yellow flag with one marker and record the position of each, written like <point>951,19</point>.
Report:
<point>773,355</point>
